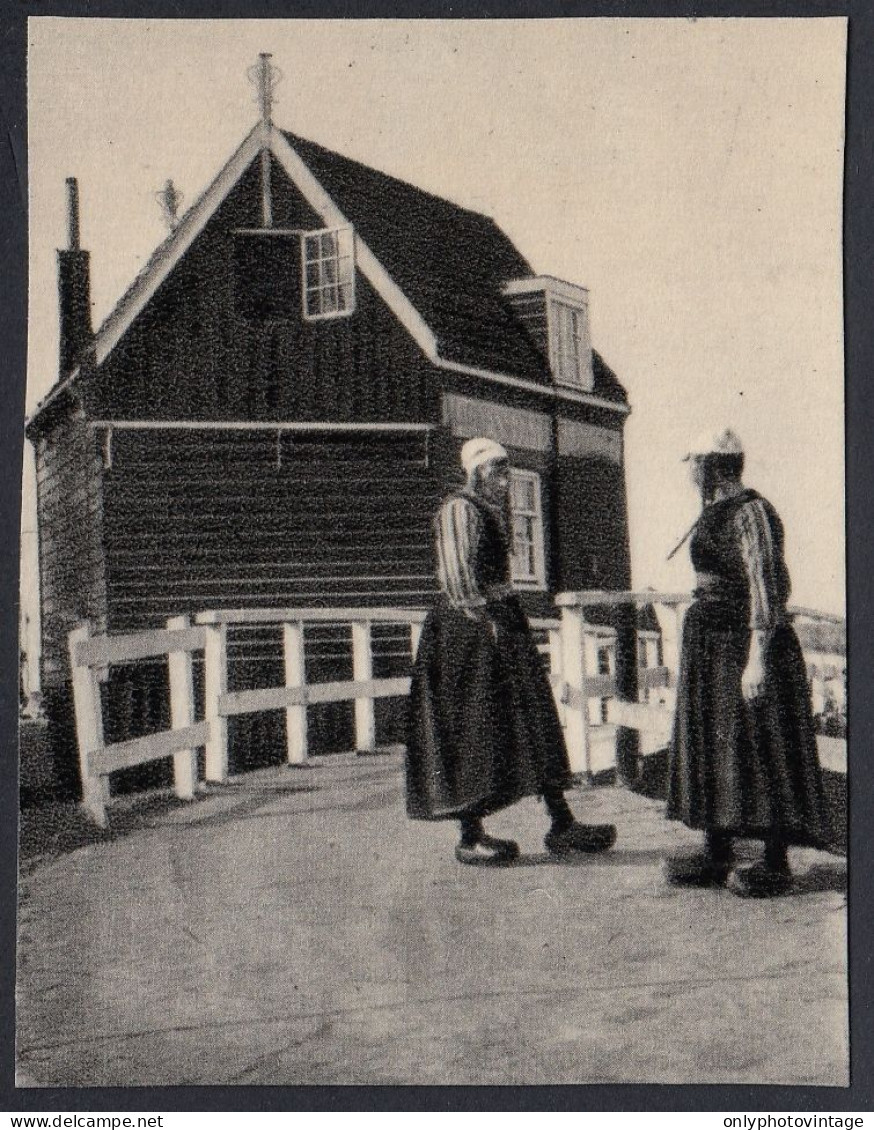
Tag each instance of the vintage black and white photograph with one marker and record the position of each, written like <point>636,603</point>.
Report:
<point>432,621</point>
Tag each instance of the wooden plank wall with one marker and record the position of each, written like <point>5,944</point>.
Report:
<point>196,352</point>
<point>530,309</point>
<point>214,519</point>
<point>72,565</point>
<point>592,518</point>
<point>207,519</point>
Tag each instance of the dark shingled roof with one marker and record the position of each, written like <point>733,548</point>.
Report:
<point>449,261</point>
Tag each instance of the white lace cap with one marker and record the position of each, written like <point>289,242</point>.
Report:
<point>481,450</point>
<point>724,442</point>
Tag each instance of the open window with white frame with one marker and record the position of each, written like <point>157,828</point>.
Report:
<point>328,263</point>
<point>528,561</point>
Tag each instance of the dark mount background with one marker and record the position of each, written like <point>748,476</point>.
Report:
<point>859,352</point>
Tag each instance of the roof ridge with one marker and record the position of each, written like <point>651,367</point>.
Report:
<point>292,137</point>
<point>164,246</point>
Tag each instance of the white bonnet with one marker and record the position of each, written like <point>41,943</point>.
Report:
<point>481,450</point>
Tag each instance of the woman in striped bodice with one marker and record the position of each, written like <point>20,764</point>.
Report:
<point>484,731</point>
<point>743,758</point>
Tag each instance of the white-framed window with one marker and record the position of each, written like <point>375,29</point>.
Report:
<point>527,563</point>
<point>570,346</point>
<point>556,314</point>
<point>328,261</point>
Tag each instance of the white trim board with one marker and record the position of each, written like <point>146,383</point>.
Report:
<point>378,277</point>
<point>165,257</point>
<point>589,441</point>
<point>552,391</point>
<point>468,416</point>
<point>134,301</point>
<point>551,286</point>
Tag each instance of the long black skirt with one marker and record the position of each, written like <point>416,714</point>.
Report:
<point>747,768</point>
<point>483,728</point>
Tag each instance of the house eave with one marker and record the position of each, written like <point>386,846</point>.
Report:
<point>320,426</point>
<point>553,392</point>
<point>41,416</point>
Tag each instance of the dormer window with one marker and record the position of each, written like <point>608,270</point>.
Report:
<point>572,352</point>
<point>556,314</point>
<point>328,273</point>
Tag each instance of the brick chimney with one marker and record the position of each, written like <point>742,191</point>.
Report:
<point>74,289</point>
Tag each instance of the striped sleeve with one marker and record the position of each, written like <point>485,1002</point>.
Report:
<point>761,563</point>
<point>458,528</point>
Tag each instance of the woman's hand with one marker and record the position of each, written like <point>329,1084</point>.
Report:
<point>753,678</point>
<point>480,616</point>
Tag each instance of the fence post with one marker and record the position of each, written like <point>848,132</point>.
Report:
<point>181,673</point>
<point>573,661</point>
<point>415,637</point>
<point>627,740</point>
<point>215,680</point>
<point>295,676</point>
<point>553,637</point>
<point>89,728</point>
<point>362,672</point>
<point>670,618</point>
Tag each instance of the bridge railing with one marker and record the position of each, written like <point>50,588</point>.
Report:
<point>572,645</point>
<point>297,693</point>
<point>90,657</point>
<point>577,683</point>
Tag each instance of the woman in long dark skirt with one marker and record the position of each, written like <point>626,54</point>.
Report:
<point>483,729</point>
<point>743,761</point>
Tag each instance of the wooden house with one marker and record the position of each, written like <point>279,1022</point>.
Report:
<point>273,410</point>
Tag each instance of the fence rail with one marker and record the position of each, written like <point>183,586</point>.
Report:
<point>595,705</point>
<point>89,656</point>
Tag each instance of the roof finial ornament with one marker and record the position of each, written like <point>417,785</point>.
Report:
<point>170,198</point>
<point>266,78</point>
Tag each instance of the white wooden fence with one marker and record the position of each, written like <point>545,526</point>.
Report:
<point>567,645</point>
<point>296,694</point>
<point>90,657</point>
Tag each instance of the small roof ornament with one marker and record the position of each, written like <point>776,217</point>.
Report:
<point>723,442</point>
<point>170,198</point>
<point>266,78</point>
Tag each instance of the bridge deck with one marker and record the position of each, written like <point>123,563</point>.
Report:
<point>295,927</point>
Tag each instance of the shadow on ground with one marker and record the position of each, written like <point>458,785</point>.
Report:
<point>821,877</point>
<point>817,879</point>
<point>53,830</point>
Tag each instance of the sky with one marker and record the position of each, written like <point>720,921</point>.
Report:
<point>688,172</point>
